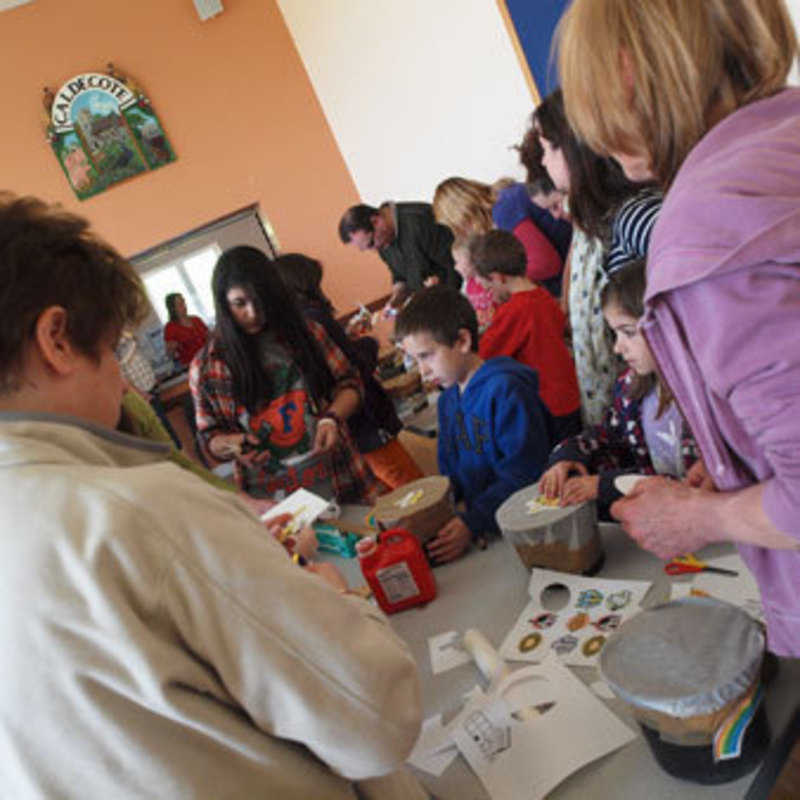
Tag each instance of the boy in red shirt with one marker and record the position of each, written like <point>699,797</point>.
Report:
<point>529,327</point>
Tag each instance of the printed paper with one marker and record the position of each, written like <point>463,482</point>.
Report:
<point>576,633</point>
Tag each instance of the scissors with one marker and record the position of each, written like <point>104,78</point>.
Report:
<point>680,565</point>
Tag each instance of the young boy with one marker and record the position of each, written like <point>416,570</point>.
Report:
<point>528,326</point>
<point>495,433</point>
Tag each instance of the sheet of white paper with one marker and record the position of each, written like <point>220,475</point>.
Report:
<point>447,652</point>
<point>434,750</point>
<point>304,506</point>
<point>625,483</point>
<point>528,759</point>
<point>740,590</point>
<point>577,632</point>
<point>679,589</point>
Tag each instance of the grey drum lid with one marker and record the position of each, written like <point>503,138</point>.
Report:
<point>521,512</point>
<point>685,658</point>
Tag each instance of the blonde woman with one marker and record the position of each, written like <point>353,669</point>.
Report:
<point>471,208</point>
<point>693,93</point>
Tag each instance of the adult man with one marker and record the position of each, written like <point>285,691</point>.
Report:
<point>155,642</point>
<point>407,237</point>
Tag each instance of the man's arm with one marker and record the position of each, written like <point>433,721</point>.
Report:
<point>305,662</point>
<point>670,518</point>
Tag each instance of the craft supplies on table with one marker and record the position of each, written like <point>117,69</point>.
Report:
<point>690,672</point>
<point>681,565</point>
<point>545,534</point>
<point>576,633</point>
<point>422,507</point>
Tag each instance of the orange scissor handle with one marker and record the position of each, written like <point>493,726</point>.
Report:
<point>680,565</point>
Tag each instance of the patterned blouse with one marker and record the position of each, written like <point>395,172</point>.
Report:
<point>619,443</point>
<point>283,422</point>
<point>592,341</point>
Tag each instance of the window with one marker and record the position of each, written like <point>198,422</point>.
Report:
<point>189,276</point>
<point>185,265</point>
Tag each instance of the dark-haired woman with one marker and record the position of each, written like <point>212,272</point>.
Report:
<point>184,335</point>
<point>375,426</point>
<point>273,392</point>
<point>596,189</point>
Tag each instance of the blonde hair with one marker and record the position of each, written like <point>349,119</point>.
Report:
<point>465,206</point>
<point>651,77</point>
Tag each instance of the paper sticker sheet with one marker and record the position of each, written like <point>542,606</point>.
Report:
<point>576,633</point>
<point>539,726</point>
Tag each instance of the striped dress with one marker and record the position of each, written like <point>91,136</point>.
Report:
<point>633,224</point>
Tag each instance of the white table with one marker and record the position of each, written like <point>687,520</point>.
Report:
<point>487,590</point>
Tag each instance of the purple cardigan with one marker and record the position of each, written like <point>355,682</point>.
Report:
<point>723,321</point>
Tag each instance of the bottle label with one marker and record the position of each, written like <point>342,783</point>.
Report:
<point>397,582</point>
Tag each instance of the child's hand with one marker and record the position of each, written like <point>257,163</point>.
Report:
<point>327,435</point>
<point>450,542</point>
<point>578,490</point>
<point>552,482</point>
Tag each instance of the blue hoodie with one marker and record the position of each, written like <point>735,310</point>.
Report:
<point>494,438</point>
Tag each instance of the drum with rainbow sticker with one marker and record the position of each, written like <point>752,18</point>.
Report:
<point>690,672</point>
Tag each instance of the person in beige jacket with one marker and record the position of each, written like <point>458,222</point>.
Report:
<point>156,641</point>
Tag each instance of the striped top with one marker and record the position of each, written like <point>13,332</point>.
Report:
<point>633,224</point>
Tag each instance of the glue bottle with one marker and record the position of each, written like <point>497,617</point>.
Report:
<point>396,570</point>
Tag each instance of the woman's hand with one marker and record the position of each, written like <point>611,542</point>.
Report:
<point>580,489</point>
<point>552,482</point>
<point>327,435</point>
<point>225,446</point>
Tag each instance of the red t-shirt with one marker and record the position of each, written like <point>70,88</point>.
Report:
<point>190,338</point>
<point>529,327</point>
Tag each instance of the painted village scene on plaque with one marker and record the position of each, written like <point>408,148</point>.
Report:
<point>103,130</point>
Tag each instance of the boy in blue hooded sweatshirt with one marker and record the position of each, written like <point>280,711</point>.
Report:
<point>494,431</point>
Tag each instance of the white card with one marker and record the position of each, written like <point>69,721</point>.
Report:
<point>434,750</point>
<point>539,726</point>
<point>304,507</point>
<point>625,483</point>
<point>447,652</point>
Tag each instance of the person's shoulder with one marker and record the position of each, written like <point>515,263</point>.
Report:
<point>501,375</point>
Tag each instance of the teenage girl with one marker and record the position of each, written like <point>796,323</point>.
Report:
<point>642,431</point>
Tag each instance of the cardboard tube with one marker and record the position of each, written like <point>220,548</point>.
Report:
<point>486,658</point>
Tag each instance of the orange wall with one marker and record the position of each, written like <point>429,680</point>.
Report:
<point>236,103</point>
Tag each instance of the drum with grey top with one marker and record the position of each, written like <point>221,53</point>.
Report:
<point>690,671</point>
<point>564,538</point>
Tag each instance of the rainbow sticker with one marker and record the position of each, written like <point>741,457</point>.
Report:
<point>730,735</point>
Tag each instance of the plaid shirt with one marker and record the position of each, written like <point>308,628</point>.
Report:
<point>217,411</point>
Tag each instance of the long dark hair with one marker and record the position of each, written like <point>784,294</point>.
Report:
<point>625,288</point>
<point>597,185</point>
<point>303,276</point>
<point>250,269</point>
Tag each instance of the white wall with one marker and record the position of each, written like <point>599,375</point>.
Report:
<point>415,90</point>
